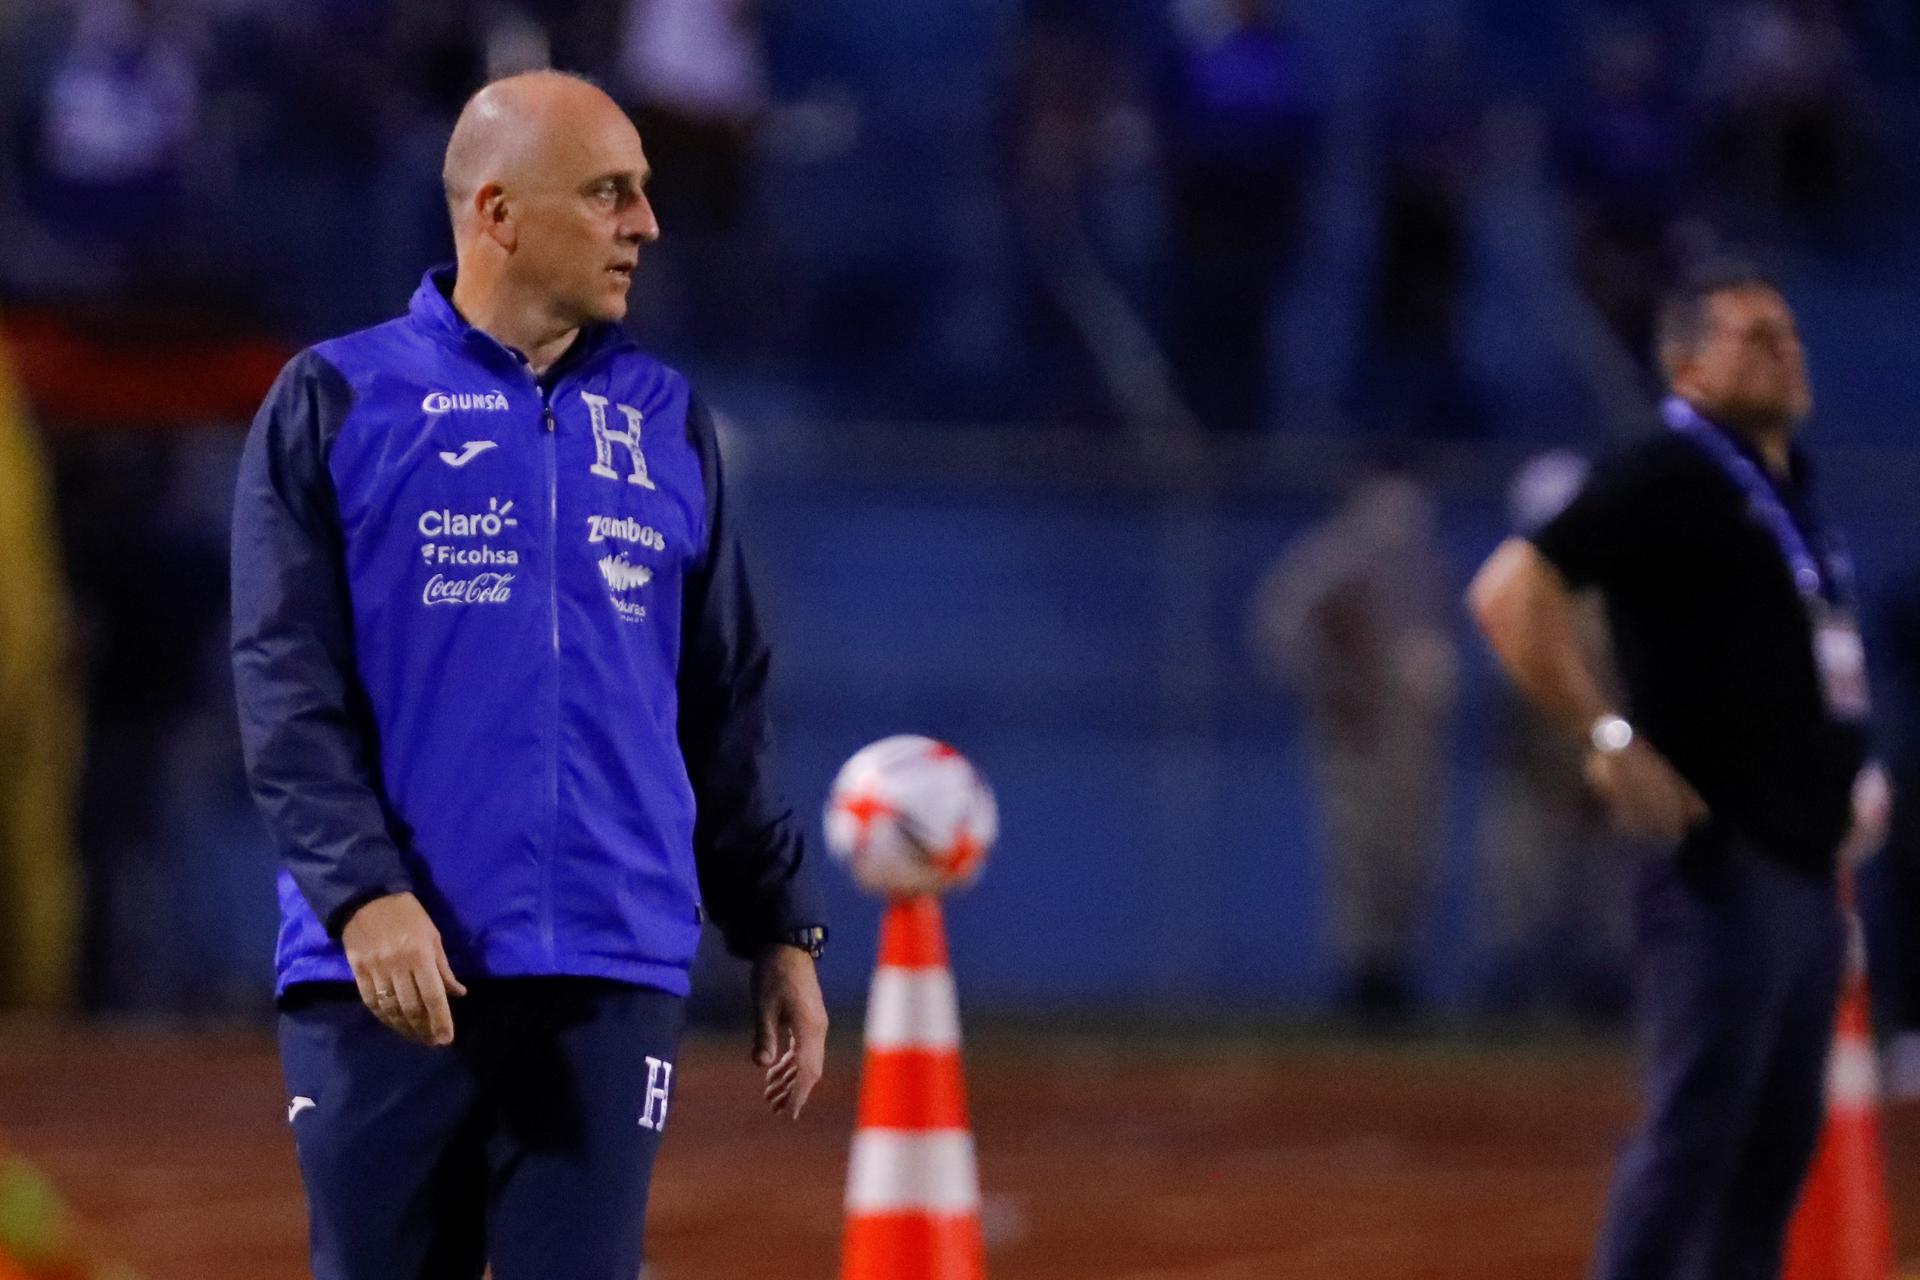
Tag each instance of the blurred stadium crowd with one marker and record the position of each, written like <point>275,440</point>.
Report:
<point>958,195</point>
<point>1226,223</point>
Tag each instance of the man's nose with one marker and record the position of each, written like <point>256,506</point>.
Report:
<point>641,225</point>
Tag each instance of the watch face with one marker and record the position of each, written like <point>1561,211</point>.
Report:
<point>1612,734</point>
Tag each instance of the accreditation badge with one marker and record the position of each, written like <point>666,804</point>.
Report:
<point>1842,660</point>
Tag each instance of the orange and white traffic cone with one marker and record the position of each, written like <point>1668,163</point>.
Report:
<point>1842,1229</point>
<point>913,1192</point>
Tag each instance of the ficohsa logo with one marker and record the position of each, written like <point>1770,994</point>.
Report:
<point>481,402</point>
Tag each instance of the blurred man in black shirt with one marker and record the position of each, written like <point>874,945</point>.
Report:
<point>1742,745</point>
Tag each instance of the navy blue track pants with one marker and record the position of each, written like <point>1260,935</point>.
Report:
<point>528,1143</point>
<point>1739,961</point>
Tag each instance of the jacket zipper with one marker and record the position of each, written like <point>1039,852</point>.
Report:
<point>553,726</point>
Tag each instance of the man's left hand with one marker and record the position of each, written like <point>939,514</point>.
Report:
<point>790,1035</point>
<point>1872,816</point>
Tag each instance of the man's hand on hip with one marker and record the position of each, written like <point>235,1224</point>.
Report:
<point>1646,795</point>
<point>401,968</point>
<point>790,1026</point>
<point>1872,816</point>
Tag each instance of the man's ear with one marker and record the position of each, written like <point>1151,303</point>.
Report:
<point>1676,362</point>
<point>496,216</point>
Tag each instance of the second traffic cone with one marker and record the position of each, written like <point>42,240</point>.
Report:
<point>913,1192</point>
<point>1842,1229</point>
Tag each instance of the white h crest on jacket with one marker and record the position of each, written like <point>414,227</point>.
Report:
<point>605,437</point>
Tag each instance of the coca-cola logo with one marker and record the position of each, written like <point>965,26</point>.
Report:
<point>482,588</point>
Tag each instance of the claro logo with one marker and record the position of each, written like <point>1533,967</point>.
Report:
<point>491,523</point>
<point>465,401</point>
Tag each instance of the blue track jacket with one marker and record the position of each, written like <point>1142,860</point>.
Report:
<point>493,644</point>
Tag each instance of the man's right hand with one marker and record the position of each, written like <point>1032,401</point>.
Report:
<point>1646,796</point>
<point>401,968</point>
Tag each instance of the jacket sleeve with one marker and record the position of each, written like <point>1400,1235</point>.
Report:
<point>755,876</point>
<point>305,722</point>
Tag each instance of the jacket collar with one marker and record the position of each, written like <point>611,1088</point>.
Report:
<point>432,310</point>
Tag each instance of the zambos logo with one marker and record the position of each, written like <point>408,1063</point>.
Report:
<point>482,402</point>
<point>624,529</point>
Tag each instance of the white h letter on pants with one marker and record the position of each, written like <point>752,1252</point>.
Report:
<point>659,1080</point>
<point>604,438</point>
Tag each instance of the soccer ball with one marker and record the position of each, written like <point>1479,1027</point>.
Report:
<point>911,816</point>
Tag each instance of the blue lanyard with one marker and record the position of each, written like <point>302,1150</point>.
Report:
<point>1817,579</point>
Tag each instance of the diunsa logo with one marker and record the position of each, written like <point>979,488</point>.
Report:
<point>466,401</point>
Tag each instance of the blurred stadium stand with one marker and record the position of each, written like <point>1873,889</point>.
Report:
<point>982,506</point>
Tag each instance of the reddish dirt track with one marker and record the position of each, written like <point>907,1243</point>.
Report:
<point>1208,1159</point>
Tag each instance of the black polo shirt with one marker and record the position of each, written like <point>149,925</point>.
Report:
<point>1714,642</point>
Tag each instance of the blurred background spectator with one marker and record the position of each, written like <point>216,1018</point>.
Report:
<point>1037,326</point>
<point>1893,886</point>
<point>40,729</point>
<point>1783,125</point>
<point>1354,617</point>
<point>695,73</point>
<point>1240,116</point>
<point>1623,159</point>
<point>1414,376</point>
<point>106,100</point>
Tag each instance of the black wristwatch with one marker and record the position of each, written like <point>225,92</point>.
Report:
<point>812,939</point>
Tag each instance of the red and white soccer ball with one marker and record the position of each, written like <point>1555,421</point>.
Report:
<point>911,816</point>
